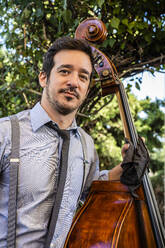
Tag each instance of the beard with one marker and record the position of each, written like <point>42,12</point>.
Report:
<point>62,108</point>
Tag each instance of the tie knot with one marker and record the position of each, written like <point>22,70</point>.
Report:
<point>65,134</point>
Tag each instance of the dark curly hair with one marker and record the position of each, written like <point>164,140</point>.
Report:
<point>65,43</point>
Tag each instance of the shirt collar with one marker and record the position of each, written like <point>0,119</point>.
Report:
<point>39,117</point>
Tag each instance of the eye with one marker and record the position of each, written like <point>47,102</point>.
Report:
<point>84,77</point>
<point>64,72</point>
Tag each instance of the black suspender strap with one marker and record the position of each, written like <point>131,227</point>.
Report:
<point>85,161</point>
<point>83,143</point>
<point>14,163</point>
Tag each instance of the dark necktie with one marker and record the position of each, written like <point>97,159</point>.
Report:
<point>65,135</point>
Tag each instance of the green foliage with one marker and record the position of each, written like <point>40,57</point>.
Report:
<point>135,39</point>
<point>154,119</point>
<point>157,178</point>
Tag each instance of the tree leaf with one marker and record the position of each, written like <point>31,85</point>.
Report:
<point>39,13</point>
<point>115,22</point>
<point>137,86</point>
<point>100,2</point>
<point>111,42</point>
<point>125,21</point>
<point>67,14</point>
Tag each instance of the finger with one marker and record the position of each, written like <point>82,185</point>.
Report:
<point>124,149</point>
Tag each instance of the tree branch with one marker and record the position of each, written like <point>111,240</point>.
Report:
<point>139,67</point>
<point>34,91</point>
<point>135,69</point>
<point>26,100</point>
<point>154,60</point>
<point>103,106</point>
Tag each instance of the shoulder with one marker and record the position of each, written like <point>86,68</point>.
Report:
<point>5,123</point>
<point>4,126</point>
<point>20,115</point>
<point>23,115</point>
<point>86,136</point>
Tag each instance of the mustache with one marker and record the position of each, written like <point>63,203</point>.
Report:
<point>71,90</point>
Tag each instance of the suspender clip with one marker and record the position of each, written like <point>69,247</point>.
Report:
<point>14,160</point>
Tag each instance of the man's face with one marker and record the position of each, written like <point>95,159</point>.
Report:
<point>67,86</point>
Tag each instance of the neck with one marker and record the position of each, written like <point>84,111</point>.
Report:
<point>63,121</point>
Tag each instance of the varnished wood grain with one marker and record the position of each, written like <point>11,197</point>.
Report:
<point>109,219</point>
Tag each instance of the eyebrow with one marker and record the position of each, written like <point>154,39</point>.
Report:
<point>82,70</point>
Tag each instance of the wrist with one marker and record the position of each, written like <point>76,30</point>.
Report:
<point>115,173</point>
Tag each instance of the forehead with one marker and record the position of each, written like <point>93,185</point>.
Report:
<point>78,59</point>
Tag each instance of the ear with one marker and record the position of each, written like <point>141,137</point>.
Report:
<point>42,79</point>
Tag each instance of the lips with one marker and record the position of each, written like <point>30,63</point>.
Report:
<point>70,92</point>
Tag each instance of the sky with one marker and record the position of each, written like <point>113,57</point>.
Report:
<point>152,86</point>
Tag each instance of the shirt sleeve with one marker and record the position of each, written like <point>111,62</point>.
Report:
<point>5,142</point>
<point>101,175</point>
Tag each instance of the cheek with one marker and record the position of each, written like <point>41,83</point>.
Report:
<point>51,86</point>
<point>85,91</point>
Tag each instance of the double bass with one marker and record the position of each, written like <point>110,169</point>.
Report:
<point>111,216</point>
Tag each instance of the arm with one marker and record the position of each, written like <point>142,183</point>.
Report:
<point>115,173</point>
<point>5,143</point>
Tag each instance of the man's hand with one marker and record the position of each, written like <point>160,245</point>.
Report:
<point>116,172</point>
<point>134,165</point>
<point>124,150</point>
<point>135,162</point>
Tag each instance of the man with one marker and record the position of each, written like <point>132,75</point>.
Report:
<point>65,79</point>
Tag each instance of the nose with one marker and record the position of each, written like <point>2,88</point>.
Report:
<point>73,80</point>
